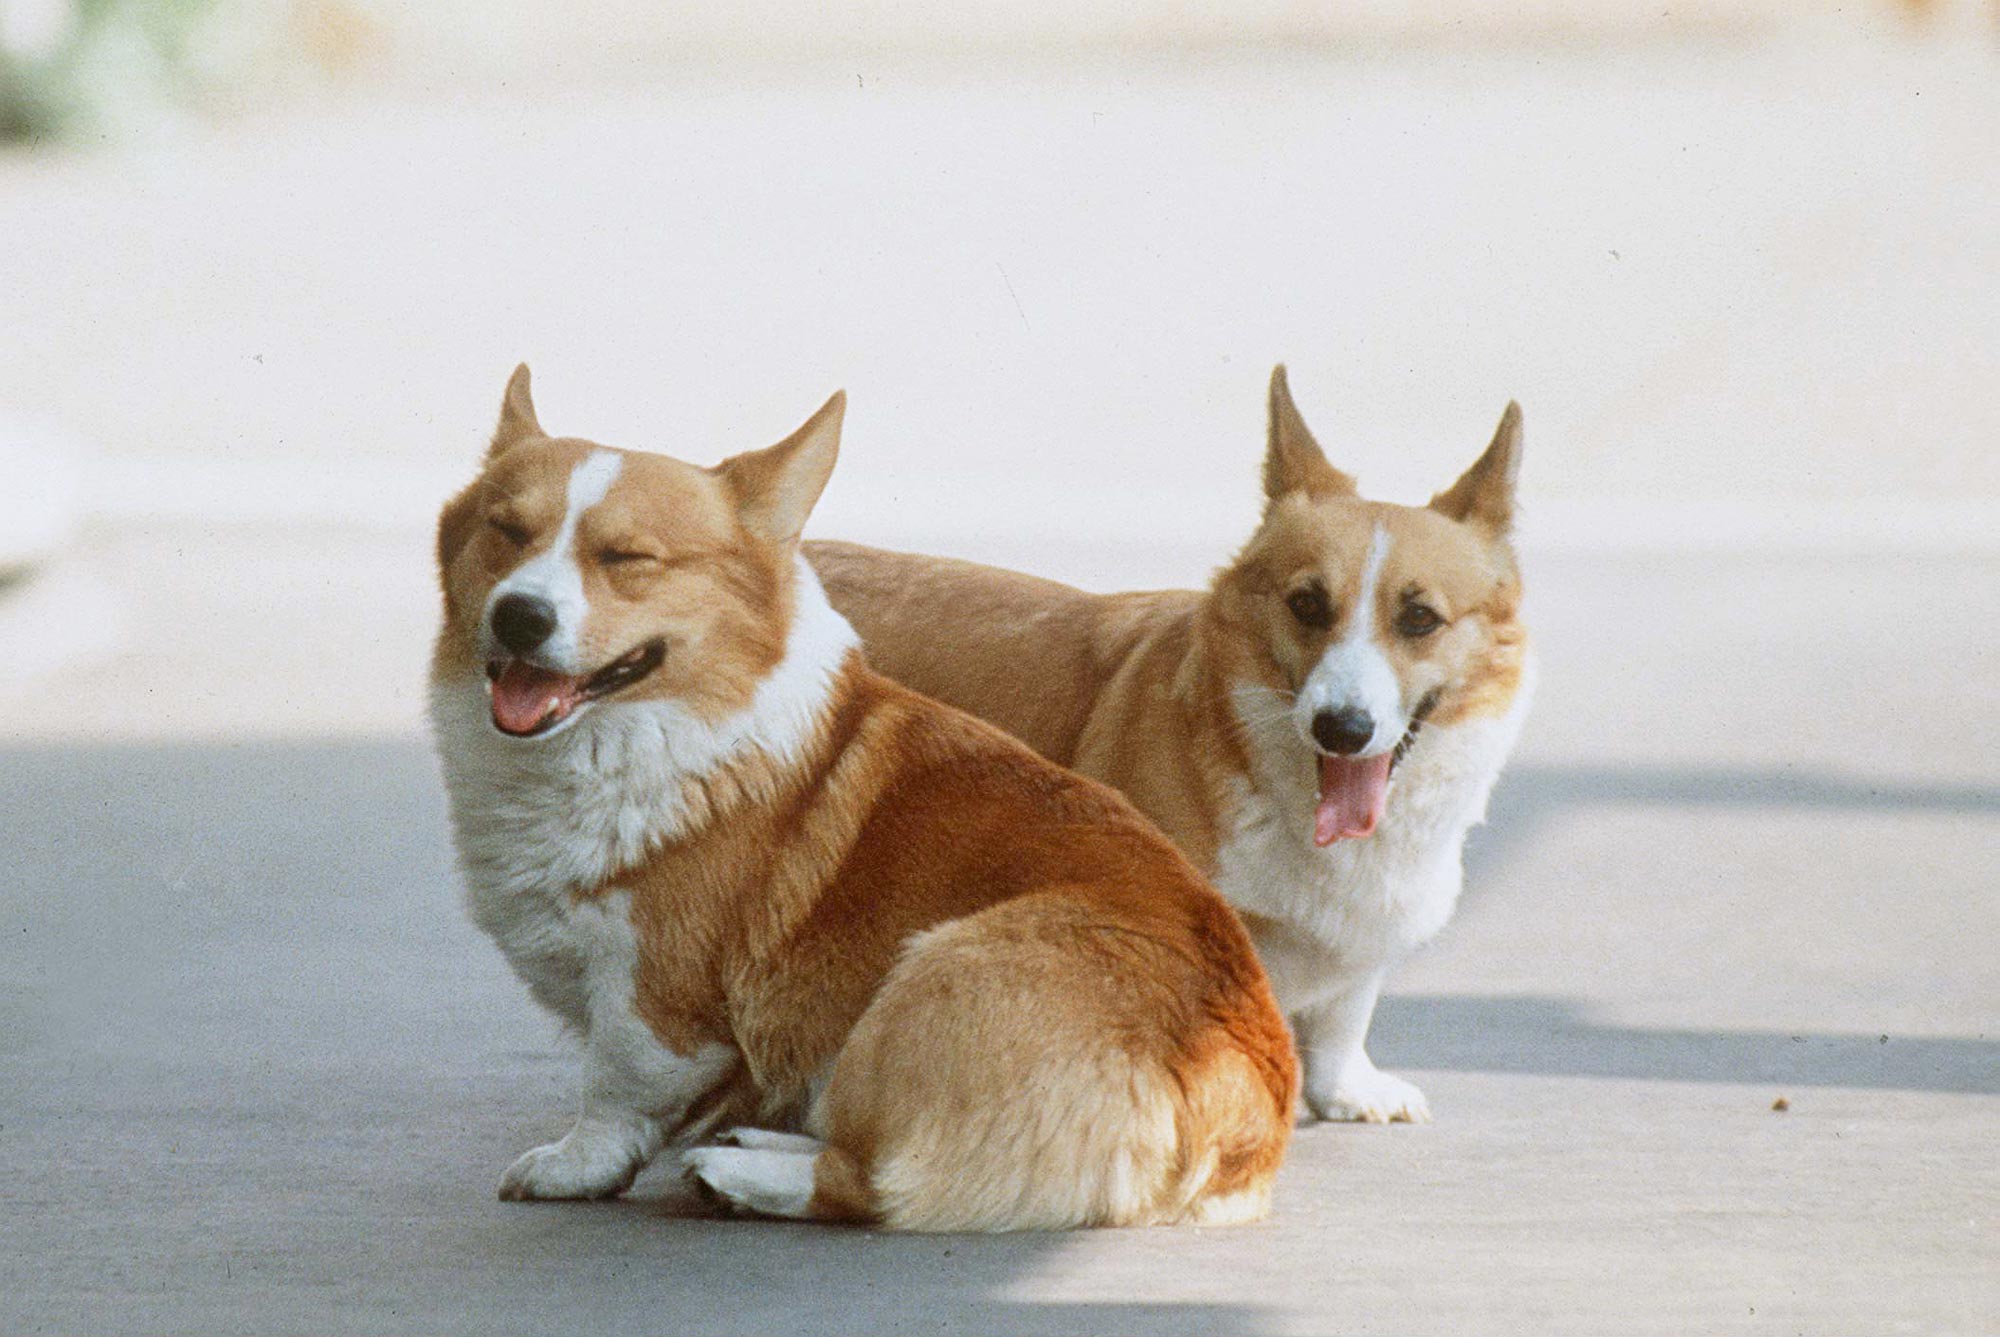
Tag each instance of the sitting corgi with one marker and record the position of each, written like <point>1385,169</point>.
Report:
<point>951,985</point>
<point>1317,730</point>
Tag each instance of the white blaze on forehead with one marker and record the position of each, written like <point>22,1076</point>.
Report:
<point>1354,674</point>
<point>1361,626</point>
<point>554,573</point>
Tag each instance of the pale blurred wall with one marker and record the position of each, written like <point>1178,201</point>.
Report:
<point>533,37</point>
<point>1737,259</point>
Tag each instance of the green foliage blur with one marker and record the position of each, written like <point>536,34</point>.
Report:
<point>83,69</point>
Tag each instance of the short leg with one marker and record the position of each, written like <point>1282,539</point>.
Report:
<point>598,1158</point>
<point>1341,1082</point>
<point>637,1094</point>
<point>755,1179</point>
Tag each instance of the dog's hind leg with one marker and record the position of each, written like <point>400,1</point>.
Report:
<point>764,1139</point>
<point>766,1181</point>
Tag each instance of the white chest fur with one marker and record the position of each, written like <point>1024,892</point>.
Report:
<point>538,821</point>
<point>1353,908</point>
<point>543,828</point>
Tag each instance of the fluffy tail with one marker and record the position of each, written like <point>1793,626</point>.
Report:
<point>1031,1068</point>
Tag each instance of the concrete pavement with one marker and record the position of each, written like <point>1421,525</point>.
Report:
<point>258,1075</point>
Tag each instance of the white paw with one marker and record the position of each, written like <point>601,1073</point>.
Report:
<point>588,1163</point>
<point>1363,1093</point>
<point>770,1183</point>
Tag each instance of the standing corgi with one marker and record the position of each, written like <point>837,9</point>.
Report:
<point>1317,730</point>
<point>952,986</point>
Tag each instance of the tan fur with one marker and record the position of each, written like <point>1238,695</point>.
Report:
<point>1121,687</point>
<point>1136,689</point>
<point>1132,689</point>
<point>1037,1013</point>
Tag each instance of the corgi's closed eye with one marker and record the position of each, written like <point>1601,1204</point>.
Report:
<point>625,556</point>
<point>514,532</point>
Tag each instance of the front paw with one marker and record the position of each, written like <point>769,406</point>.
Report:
<point>576,1167</point>
<point>1367,1095</point>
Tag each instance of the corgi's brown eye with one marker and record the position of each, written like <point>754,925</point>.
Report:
<point>1418,620</point>
<point>507,529</point>
<point>1310,606</point>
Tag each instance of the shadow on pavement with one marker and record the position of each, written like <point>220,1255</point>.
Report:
<point>258,1074</point>
<point>251,1051</point>
<point>1552,1037</point>
<point>1527,797</point>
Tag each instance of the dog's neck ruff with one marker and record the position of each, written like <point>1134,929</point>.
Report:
<point>565,814</point>
<point>1366,901</point>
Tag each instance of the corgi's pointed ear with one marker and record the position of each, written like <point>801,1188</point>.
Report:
<point>1293,461</point>
<point>1484,494</point>
<point>775,488</point>
<point>517,414</point>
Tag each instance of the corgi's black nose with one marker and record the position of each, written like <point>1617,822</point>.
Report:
<point>523,621</point>
<point>1343,732</point>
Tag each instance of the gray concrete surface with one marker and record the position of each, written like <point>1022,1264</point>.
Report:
<point>258,1075</point>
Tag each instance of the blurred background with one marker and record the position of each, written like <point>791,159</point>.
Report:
<point>264,268</point>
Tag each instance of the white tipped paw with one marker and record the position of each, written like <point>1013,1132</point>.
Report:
<point>585,1164</point>
<point>1368,1095</point>
<point>769,1183</point>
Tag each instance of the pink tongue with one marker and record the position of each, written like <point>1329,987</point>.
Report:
<point>525,697</point>
<point>1351,790</point>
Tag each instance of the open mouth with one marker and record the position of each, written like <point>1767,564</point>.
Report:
<point>529,700</point>
<point>1354,790</point>
<point>1417,718</point>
